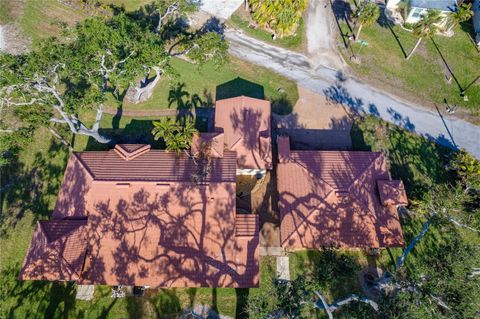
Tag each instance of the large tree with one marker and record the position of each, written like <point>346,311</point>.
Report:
<point>65,79</point>
<point>462,13</point>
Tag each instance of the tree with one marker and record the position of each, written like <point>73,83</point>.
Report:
<point>278,16</point>
<point>65,79</point>
<point>426,27</point>
<point>468,169</point>
<point>177,137</point>
<point>461,14</point>
<point>367,15</point>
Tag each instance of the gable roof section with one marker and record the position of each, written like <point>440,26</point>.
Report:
<point>392,192</point>
<point>245,121</point>
<point>154,165</point>
<point>330,198</point>
<point>57,251</point>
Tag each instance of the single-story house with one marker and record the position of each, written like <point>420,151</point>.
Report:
<point>136,216</point>
<point>342,199</point>
<point>417,8</point>
<point>243,126</point>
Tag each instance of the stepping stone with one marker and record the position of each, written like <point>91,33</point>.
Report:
<point>283,268</point>
<point>85,292</point>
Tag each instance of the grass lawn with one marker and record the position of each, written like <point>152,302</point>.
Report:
<point>423,78</point>
<point>204,85</point>
<point>241,19</point>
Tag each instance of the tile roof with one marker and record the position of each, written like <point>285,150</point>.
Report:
<point>392,192</point>
<point>245,121</point>
<point>330,198</point>
<point>246,225</point>
<point>149,223</point>
<point>214,142</point>
<point>154,165</point>
<point>57,251</point>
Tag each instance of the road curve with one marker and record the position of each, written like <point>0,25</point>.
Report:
<point>360,97</point>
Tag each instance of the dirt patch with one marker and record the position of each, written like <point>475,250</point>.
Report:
<point>12,39</point>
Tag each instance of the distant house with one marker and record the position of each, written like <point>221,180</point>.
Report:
<point>337,199</point>
<point>476,21</point>
<point>135,216</point>
<point>415,9</point>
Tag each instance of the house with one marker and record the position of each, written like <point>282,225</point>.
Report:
<point>137,216</point>
<point>415,9</point>
<point>337,199</point>
<point>476,20</point>
<point>245,125</point>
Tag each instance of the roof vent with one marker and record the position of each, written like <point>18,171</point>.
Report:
<point>130,151</point>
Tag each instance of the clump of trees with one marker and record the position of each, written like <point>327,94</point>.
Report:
<point>281,17</point>
<point>66,79</point>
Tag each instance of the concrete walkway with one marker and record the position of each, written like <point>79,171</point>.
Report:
<point>357,96</point>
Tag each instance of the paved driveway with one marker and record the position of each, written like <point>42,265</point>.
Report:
<point>357,96</point>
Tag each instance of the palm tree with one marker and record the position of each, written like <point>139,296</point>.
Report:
<point>367,15</point>
<point>463,13</point>
<point>177,138</point>
<point>279,16</point>
<point>426,27</point>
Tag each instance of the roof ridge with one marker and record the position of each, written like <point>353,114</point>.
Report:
<point>310,172</point>
<point>369,166</point>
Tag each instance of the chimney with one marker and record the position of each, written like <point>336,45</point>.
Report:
<point>283,143</point>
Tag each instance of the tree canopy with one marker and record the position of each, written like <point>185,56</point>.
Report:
<point>279,16</point>
<point>68,77</point>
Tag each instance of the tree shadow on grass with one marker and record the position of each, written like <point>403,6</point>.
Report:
<point>239,87</point>
<point>32,189</point>
<point>384,22</point>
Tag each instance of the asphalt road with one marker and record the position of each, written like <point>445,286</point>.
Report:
<point>360,97</point>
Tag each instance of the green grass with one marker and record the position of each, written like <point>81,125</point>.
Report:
<point>40,18</point>
<point>204,82</point>
<point>423,77</point>
<point>295,42</point>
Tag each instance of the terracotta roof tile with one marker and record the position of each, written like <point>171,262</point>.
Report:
<point>329,198</point>
<point>243,120</point>
<point>148,224</point>
<point>246,225</point>
<point>214,142</point>
<point>392,192</point>
<point>57,251</point>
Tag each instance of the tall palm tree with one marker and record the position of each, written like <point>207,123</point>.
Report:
<point>426,27</point>
<point>367,15</point>
<point>463,13</point>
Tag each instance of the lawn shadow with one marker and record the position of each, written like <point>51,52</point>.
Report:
<point>136,132</point>
<point>384,22</point>
<point>342,12</point>
<point>242,299</point>
<point>239,87</point>
<point>447,65</point>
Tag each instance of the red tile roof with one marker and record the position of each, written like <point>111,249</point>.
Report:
<point>153,165</point>
<point>246,225</point>
<point>330,198</point>
<point>57,251</point>
<point>392,192</point>
<point>213,143</point>
<point>245,121</point>
<point>150,224</point>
